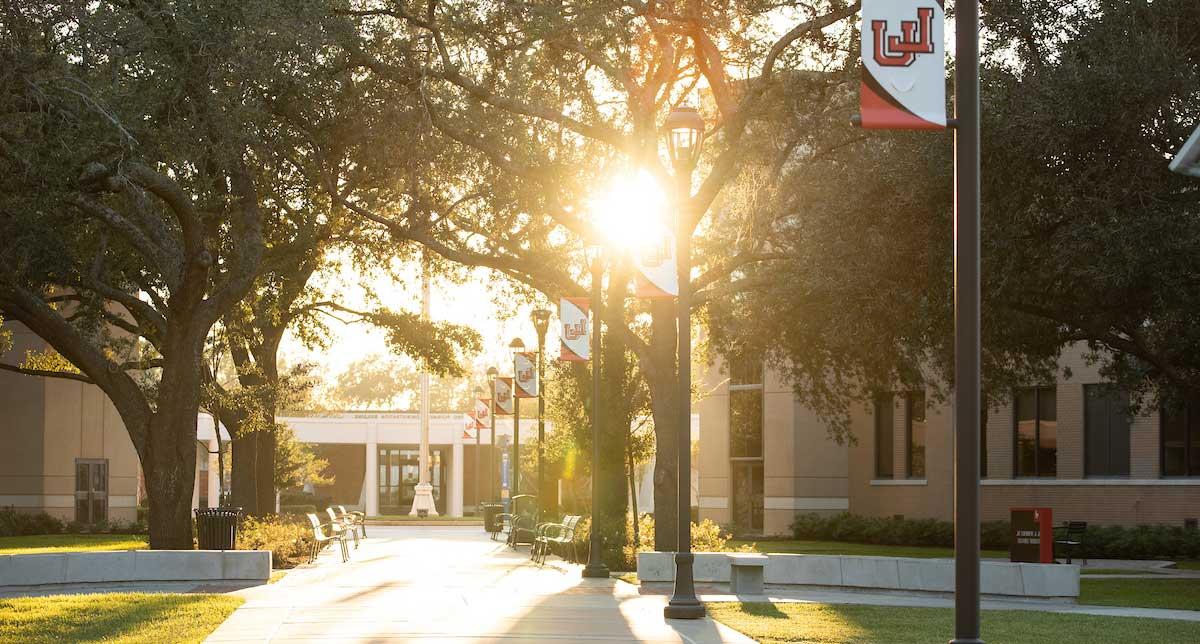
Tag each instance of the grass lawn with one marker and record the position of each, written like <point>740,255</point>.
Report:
<point>1119,571</point>
<point>113,617</point>
<point>848,624</point>
<point>860,549</point>
<point>1188,565</point>
<point>1183,594</point>
<point>45,543</point>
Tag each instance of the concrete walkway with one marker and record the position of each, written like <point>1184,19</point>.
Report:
<point>452,584</point>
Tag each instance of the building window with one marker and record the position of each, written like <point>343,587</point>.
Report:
<point>746,444</point>
<point>884,429</point>
<point>914,424</point>
<point>91,490</point>
<point>1036,416</point>
<point>1181,440</point>
<point>1105,431</point>
<point>983,414</point>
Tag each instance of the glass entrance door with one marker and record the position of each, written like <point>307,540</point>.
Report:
<point>399,472</point>
<point>91,490</point>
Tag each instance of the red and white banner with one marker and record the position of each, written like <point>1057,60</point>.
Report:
<point>504,396</point>
<point>525,368</point>
<point>904,65</point>
<point>576,342</point>
<point>657,272</point>
<point>472,425</point>
<point>483,411</point>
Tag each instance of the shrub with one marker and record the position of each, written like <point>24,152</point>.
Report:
<point>1099,542</point>
<point>14,523</point>
<point>298,510</point>
<point>707,536</point>
<point>288,540</point>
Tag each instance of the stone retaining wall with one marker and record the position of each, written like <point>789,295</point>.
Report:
<point>998,578</point>
<point>135,565</point>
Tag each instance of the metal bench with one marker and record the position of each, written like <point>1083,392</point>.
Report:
<point>1071,538</point>
<point>356,518</point>
<point>552,536</point>
<point>323,533</point>
<point>746,573</point>
<point>521,523</point>
<point>342,526</point>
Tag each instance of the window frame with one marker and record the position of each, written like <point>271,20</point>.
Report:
<point>1087,423</point>
<point>1037,433</point>
<point>1186,409</point>
<point>888,399</point>
<point>909,396</point>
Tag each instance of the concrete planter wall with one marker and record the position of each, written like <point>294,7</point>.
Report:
<point>998,578</point>
<point>135,565</point>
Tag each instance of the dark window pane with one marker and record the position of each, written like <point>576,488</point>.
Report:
<point>81,510</point>
<point>983,429</point>
<point>745,423</point>
<point>81,477</point>
<point>748,496</point>
<point>1047,459</point>
<point>99,510</point>
<point>745,371</point>
<point>1174,441</point>
<point>884,429</point>
<point>1106,431</point>
<point>99,477</point>
<point>916,435</point>
<point>1194,439</point>
<point>1026,416</point>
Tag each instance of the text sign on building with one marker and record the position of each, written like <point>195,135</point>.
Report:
<point>504,396</point>
<point>576,343</point>
<point>525,366</point>
<point>904,65</point>
<point>1032,535</point>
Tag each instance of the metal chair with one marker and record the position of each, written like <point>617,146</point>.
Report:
<point>1072,538</point>
<point>323,533</point>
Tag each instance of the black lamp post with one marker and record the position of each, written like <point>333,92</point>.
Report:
<point>685,131</point>
<point>492,373</point>
<point>478,452</point>
<point>517,346</point>
<point>595,566</point>
<point>541,322</point>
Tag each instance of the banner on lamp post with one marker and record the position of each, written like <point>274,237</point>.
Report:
<point>657,271</point>
<point>576,341</point>
<point>525,368</point>
<point>504,396</point>
<point>483,410</point>
<point>472,424</point>
<point>904,65</point>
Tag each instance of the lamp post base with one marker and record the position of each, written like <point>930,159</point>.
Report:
<point>596,571</point>
<point>972,640</point>
<point>684,604</point>
<point>423,502</point>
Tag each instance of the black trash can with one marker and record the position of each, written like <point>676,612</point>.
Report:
<point>491,511</point>
<point>216,528</point>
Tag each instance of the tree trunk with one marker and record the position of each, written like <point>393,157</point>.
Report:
<point>169,464</point>
<point>663,382</point>
<point>612,507</point>
<point>633,502</point>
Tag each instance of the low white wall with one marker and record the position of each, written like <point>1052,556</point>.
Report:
<point>999,578</point>
<point>135,565</point>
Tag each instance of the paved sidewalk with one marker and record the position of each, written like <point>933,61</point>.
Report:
<point>452,584</point>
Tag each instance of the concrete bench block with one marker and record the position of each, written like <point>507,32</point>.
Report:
<point>34,570</point>
<point>1050,580</point>
<point>871,572</point>
<point>709,566</point>
<point>654,566</point>
<point>804,570</point>
<point>85,567</point>
<point>746,573</point>
<point>929,575</point>
<point>164,565</point>
<point>1001,578</point>
<point>246,564</point>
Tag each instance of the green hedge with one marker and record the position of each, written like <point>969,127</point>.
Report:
<point>1100,542</point>
<point>15,523</point>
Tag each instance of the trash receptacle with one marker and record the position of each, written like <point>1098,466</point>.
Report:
<point>216,528</point>
<point>490,512</point>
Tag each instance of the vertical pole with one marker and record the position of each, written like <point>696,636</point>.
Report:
<point>966,325</point>
<point>595,565</point>
<point>516,448</point>
<point>491,462</point>
<point>684,604</point>
<point>541,423</point>
<point>478,463</point>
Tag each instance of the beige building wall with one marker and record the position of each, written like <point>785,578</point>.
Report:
<point>1141,498</point>
<point>803,469</point>
<point>49,423</point>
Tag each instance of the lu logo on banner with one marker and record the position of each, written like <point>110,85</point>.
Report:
<point>504,396</point>
<point>483,409</point>
<point>525,368</point>
<point>576,342</point>
<point>657,273</point>
<point>904,65</point>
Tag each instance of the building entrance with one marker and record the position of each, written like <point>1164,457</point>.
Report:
<point>399,472</point>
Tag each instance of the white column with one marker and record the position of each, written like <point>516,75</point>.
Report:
<point>456,477</point>
<point>371,478</point>
<point>214,475</point>
<point>196,478</point>
<point>423,502</point>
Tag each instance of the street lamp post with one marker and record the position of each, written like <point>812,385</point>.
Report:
<point>596,567</point>
<point>541,322</point>
<point>517,346</point>
<point>685,130</point>
<point>492,373</point>
<point>478,450</point>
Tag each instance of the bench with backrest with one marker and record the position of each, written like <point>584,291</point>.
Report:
<point>342,525</point>
<point>1070,538</point>
<point>521,523</point>
<point>323,533</point>
<point>356,518</point>
<point>556,538</point>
